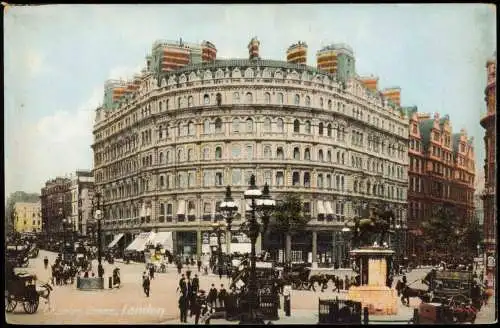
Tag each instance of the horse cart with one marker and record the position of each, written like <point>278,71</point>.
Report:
<point>451,299</point>
<point>299,276</point>
<point>21,287</point>
<point>17,255</point>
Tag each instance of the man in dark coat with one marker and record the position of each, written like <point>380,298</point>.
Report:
<point>212,296</point>
<point>146,283</point>
<point>195,284</point>
<point>182,285</point>
<point>198,263</point>
<point>151,271</point>
<point>222,296</point>
<point>183,306</point>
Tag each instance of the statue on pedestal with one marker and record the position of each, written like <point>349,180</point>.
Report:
<point>378,223</point>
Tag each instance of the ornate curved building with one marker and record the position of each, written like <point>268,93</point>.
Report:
<point>164,157</point>
<point>488,122</point>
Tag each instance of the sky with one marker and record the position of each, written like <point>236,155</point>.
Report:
<point>57,58</point>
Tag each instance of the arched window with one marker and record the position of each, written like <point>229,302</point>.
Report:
<point>368,187</point>
<point>321,102</point>
<point>206,126</point>
<point>307,179</point>
<point>320,180</point>
<point>320,155</point>
<point>161,158</point>
<point>249,125</point>
<point>249,98</point>
<point>190,155</point>
<point>218,152</point>
<point>236,98</point>
<point>295,178</point>
<point>280,98</point>
<point>191,129</point>
<point>218,125</point>
<point>328,181</point>
<point>329,156</point>
<point>179,102</point>
<point>280,153</point>
<point>308,127</point>
<point>329,130</point>
<point>206,99</point>
<point>267,124</point>
<point>308,101</point>
<point>167,103</point>
<point>190,101</point>
<point>355,186</point>
<point>218,98</point>
<point>236,125</point>
<point>296,153</point>
<point>343,158</point>
<point>280,125</point>
<point>320,129</point>
<point>206,153</point>
<point>179,129</point>
<point>338,157</point>
<point>296,100</point>
<point>190,180</point>
<point>329,104</point>
<point>160,105</point>
<point>179,155</point>
<point>307,154</point>
<point>168,157</point>
<point>267,152</point>
<point>296,126</point>
<point>267,98</point>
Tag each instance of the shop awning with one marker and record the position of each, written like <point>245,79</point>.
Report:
<point>328,208</point>
<point>116,239</point>
<point>140,241</point>
<point>181,207</point>
<point>321,209</point>
<point>164,238</point>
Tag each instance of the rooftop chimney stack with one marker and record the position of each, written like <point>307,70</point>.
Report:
<point>297,53</point>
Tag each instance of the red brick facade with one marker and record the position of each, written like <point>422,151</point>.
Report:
<point>441,172</point>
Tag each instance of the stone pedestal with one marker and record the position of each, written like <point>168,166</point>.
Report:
<point>373,292</point>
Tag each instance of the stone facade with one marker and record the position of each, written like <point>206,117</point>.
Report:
<point>82,190</point>
<point>164,157</point>
<point>27,217</point>
<point>56,204</point>
<point>488,123</point>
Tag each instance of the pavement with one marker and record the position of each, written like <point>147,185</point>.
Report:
<point>129,304</point>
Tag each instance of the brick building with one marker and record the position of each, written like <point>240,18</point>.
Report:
<point>441,172</point>
<point>55,204</point>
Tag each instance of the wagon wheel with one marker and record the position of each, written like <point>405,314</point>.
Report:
<point>10,302</point>
<point>458,300</point>
<point>30,306</point>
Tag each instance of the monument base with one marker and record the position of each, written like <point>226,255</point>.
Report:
<point>380,300</point>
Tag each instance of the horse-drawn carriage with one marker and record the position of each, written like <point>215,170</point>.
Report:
<point>17,255</point>
<point>21,288</point>
<point>453,299</point>
<point>33,251</point>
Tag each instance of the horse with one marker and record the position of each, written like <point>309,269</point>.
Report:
<point>406,292</point>
<point>43,291</point>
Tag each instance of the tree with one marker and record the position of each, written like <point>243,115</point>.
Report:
<point>288,219</point>
<point>447,233</point>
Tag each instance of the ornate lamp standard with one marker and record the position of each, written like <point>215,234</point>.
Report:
<point>218,227</point>
<point>262,202</point>
<point>228,208</point>
<point>98,216</point>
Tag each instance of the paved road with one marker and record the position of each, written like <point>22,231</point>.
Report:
<point>129,305</point>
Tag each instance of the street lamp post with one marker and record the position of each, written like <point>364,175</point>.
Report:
<point>259,201</point>
<point>228,208</point>
<point>218,228</point>
<point>98,216</point>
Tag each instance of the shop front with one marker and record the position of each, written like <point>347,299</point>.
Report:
<point>186,244</point>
